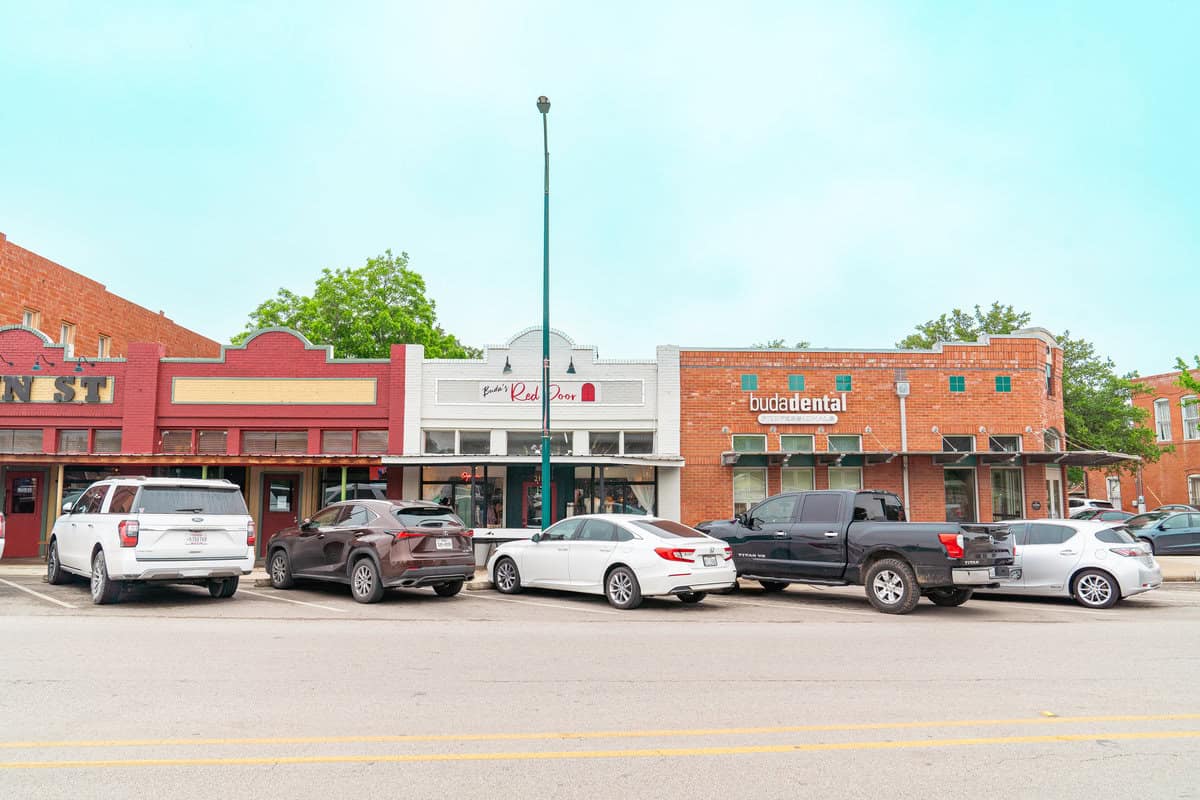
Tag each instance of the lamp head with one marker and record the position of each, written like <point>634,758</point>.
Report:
<point>543,104</point>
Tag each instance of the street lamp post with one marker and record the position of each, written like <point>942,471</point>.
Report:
<point>543,106</point>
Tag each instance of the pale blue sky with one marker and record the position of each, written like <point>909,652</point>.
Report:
<point>721,174</point>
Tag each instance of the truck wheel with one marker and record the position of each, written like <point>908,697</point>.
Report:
<point>892,587</point>
<point>773,586</point>
<point>948,598</point>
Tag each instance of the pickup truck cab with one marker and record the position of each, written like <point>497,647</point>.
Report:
<point>840,538</point>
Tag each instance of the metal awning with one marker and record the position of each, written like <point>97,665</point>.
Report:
<point>1068,458</point>
<point>427,460</point>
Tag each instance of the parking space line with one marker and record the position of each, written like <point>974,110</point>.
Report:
<point>535,603</point>
<point>805,607</point>
<point>289,600</point>
<point>39,595</point>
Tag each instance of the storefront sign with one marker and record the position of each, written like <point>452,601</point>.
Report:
<point>274,391</point>
<point>56,389</point>
<point>522,392</point>
<point>794,403</point>
<point>797,419</point>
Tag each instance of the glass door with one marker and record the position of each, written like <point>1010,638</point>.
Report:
<point>960,495</point>
<point>1054,498</point>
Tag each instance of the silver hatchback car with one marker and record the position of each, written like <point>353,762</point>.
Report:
<point>1096,563</point>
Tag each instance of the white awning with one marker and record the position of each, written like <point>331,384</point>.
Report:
<point>427,460</point>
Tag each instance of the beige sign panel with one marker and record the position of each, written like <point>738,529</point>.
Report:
<point>56,388</point>
<point>274,391</point>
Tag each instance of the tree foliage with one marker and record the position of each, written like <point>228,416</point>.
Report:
<point>1096,400</point>
<point>961,326</point>
<point>777,344</point>
<point>1186,379</point>
<point>362,311</point>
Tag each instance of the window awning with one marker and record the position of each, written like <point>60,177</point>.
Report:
<point>1068,458</point>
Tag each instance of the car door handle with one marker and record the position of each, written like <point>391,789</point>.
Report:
<point>781,534</point>
<point>832,534</point>
<point>1066,552</point>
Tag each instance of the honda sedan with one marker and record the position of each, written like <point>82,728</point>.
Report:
<point>1093,562</point>
<point>624,557</point>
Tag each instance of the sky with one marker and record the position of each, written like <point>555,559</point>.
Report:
<point>721,174</point>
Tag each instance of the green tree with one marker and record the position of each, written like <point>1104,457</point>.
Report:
<point>961,326</point>
<point>1096,400</point>
<point>776,344</point>
<point>362,311</point>
<point>1186,379</point>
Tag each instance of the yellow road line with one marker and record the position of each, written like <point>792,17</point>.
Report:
<point>582,735</point>
<point>592,754</point>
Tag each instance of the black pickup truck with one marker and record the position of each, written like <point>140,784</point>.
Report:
<point>839,538</point>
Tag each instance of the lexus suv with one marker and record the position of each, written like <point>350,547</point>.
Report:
<point>126,529</point>
<point>374,545</point>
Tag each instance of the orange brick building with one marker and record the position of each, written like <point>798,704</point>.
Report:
<point>1175,477</point>
<point>73,309</point>
<point>962,432</point>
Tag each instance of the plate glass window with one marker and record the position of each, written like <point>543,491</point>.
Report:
<point>958,383</point>
<point>795,383</point>
<point>1007,498</point>
<point>960,495</point>
<point>1191,417</point>
<point>749,383</point>
<point>845,478</point>
<point>796,479</point>
<point>1003,383</point>
<point>750,443</point>
<point>845,443</point>
<point>843,383</point>
<point>1162,419</point>
<point>749,487</point>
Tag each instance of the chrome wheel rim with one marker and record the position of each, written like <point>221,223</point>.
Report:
<point>278,568</point>
<point>506,576</point>
<point>364,580</point>
<point>97,578</point>
<point>1094,590</point>
<point>52,562</point>
<point>620,587</point>
<point>888,587</point>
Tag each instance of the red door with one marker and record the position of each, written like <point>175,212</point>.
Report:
<point>23,514</point>
<point>280,503</point>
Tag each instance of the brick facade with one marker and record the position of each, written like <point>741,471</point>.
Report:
<point>1175,477</point>
<point>714,407</point>
<point>29,281</point>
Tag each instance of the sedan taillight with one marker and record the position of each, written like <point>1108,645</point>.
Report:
<point>676,554</point>
<point>127,530</point>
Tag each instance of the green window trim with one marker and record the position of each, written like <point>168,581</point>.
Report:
<point>1003,383</point>
<point>749,383</point>
<point>795,383</point>
<point>958,383</point>
<point>844,383</point>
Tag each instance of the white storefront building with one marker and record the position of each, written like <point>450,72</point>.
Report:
<point>472,433</point>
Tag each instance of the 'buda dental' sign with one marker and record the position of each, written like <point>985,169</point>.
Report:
<point>825,406</point>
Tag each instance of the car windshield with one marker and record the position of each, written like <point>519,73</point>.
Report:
<point>191,500</point>
<point>429,516</point>
<point>1142,520</point>
<point>667,529</point>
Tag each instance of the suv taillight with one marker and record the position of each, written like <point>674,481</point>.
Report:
<point>953,542</point>
<point>406,534</point>
<point>250,539</point>
<point>676,554</point>
<point>1,524</point>
<point>468,533</point>
<point>127,530</point>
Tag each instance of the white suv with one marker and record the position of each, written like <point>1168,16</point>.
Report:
<point>154,529</point>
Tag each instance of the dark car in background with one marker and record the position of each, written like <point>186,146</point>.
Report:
<point>1169,533</point>
<point>373,545</point>
<point>1102,515</point>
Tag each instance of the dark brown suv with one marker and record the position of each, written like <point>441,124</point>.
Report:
<point>375,545</point>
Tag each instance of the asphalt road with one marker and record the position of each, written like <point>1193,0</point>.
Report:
<point>810,693</point>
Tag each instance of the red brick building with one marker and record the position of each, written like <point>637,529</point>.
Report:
<point>1175,477</point>
<point>963,432</point>
<point>73,309</point>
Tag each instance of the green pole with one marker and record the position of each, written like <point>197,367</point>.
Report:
<point>543,105</point>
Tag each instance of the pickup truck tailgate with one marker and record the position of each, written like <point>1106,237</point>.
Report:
<point>986,546</point>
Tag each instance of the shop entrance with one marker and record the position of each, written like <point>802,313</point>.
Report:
<point>280,505</point>
<point>531,504</point>
<point>23,514</point>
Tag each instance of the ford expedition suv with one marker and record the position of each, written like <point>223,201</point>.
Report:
<point>154,529</point>
<point>839,538</point>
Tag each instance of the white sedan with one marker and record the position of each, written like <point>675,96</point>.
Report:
<point>625,557</point>
<point>1095,563</point>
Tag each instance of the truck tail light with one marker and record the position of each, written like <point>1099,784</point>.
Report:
<point>127,530</point>
<point>953,542</point>
<point>250,538</point>
<point>728,553</point>
<point>684,554</point>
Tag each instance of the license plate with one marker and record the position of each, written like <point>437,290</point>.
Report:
<point>445,544</point>
<point>197,538</point>
<point>710,561</point>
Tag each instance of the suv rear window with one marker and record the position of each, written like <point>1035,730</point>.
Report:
<point>429,516</point>
<point>1115,536</point>
<point>668,529</point>
<point>191,500</point>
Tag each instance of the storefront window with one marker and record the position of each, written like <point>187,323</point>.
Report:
<point>845,478</point>
<point>604,443</point>
<point>529,443</point>
<point>845,444</point>
<point>176,442</point>
<point>212,443</point>
<point>372,443</point>
<point>108,441</point>
<point>796,443</point>
<point>360,485</point>
<point>639,443</point>
<point>480,502</point>
<point>615,489</point>
<point>280,442</point>
<point>475,443</point>
<point>337,442</point>
<point>960,495</point>
<point>1007,500</point>
<point>796,480</point>
<point>749,487</point>
<point>73,441</point>
<point>439,443</point>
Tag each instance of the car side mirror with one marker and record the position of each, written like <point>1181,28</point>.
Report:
<point>537,537</point>
<point>742,519</point>
<point>307,524</point>
<point>66,507</point>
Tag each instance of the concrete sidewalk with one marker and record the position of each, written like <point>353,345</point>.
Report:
<point>1175,569</point>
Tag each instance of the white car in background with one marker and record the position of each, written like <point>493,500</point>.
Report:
<point>624,557</point>
<point>1096,563</point>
